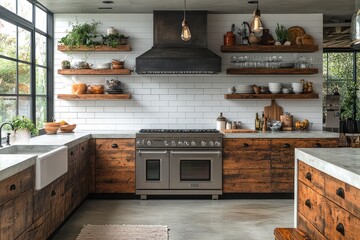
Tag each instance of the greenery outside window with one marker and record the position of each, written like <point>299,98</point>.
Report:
<point>26,57</point>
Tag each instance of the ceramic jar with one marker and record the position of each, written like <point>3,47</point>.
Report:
<point>220,123</point>
<point>229,39</point>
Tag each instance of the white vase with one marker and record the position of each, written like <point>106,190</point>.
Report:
<point>21,136</point>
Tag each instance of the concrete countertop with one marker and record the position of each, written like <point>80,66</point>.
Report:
<point>11,164</point>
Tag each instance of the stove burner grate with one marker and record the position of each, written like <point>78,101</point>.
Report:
<point>178,131</point>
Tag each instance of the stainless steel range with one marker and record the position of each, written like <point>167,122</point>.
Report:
<point>178,162</point>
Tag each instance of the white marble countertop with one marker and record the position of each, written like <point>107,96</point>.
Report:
<point>341,163</point>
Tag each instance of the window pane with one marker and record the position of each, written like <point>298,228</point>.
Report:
<point>7,39</point>
<point>7,76</point>
<point>340,66</point>
<point>24,106</point>
<point>40,19</point>
<point>25,10</point>
<point>24,45</point>
<point>40,49</point>
<point>24,78</point>
<point>9,5</point>
<point>7,108</point>
<point>40,80</point>
<point>40,111</point>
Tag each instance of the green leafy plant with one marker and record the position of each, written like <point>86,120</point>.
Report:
<point>281,33</point>
<point>22,122</point>
<point>80,34</point>
<point>348,100</point>
<point>114,39</point>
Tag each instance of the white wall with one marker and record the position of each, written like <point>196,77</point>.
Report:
<point>180,101</point>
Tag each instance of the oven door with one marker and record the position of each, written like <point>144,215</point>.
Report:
<point>152,169</point>
<point>196,169</point>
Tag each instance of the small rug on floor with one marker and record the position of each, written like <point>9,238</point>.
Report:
<point>124,232</point>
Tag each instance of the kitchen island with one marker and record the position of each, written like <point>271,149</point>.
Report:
<point>327,192</point>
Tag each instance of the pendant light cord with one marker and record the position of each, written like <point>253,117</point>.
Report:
<point>184,9</point>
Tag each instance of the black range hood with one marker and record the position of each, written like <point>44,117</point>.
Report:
<point>171,55</point>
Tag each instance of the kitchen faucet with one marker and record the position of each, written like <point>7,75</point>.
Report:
<point>8,141</point>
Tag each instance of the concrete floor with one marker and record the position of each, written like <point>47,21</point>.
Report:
<point>188,219</point>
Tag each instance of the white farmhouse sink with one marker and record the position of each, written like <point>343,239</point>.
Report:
<point>51,161</point>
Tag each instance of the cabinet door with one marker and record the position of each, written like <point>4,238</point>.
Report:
<point>16,215</point>
<point>246,165</point>
<point>282,165</point>
<point>115,166</point>
<point>56,203</point>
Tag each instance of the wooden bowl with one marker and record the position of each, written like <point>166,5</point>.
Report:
<point>51,129</point>
<point>117,66</point>
<point>52,124</point>
<point>67,128</point>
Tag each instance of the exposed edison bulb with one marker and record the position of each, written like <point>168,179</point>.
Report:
<point>185,31</point>
<point>256,25</point>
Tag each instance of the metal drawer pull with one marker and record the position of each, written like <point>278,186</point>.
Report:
<point>12,187</point>
<point>53,193</point>
<point>317,145</point>
<point>286,145</point>
<point>71,153</point>
<point>308,176</point>
<point>340,228</point>
<point>245,145</point>
<point>151,152</point>
<point>308,203</point>
<point>341,193</point>
<point>114,145</point>
<point>191,153</point>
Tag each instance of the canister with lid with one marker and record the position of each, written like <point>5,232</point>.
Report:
<point>220,122</point>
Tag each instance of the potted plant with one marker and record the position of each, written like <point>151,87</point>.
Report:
<point>114,39</point>
<point>80,34</point>
<point>23,129</point>
<point>281,33</point>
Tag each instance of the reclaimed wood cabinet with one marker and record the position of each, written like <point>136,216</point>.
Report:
<point>263,165</point>
<point>327,207</point>
<point>115,166</point>
<point>16,204</point>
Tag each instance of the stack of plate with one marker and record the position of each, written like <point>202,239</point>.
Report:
<point>275,87</point>
<point>242,88</point>
<point>114,91</point>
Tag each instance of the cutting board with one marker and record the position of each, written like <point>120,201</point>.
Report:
<point>241,130</point>
<point>273,111</point>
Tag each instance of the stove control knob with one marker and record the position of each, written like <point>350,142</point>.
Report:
<point>203,144</point>
<point>180,144</point>
<point>211,143</point>
<point>217,144</point>
<point>138,142</point>
<point>186,143</point>
<point>143,142</point>
<point>166,143</point>
<point>148,143</point>
<point>193,143</point>
<point>173,143</point>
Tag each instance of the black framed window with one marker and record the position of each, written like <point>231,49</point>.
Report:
<point>26,61</point>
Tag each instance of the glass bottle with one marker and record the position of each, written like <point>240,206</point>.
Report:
<point>257,122</point>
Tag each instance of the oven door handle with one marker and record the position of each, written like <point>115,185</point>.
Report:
<point>218,153</point>
<point>151,152</point>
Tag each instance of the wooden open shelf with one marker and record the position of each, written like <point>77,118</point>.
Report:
<point>269,48</point>
<point>94,71</point>
<point>98,48</point>
<point>94,96</point>
<point>272,96</point>
<point>264,71</point>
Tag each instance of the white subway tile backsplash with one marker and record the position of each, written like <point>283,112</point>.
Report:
<point>180,101</point>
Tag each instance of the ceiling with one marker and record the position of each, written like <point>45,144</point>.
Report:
<point>338,9</point>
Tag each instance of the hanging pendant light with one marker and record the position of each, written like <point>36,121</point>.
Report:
<point>355,27</point>
<point>256,23</point>
<point>185,31</point>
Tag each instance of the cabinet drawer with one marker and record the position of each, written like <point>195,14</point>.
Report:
<point>343,194</point>
<point>247,144</point>
<point>115,144</point>
<point>311,205</point>
<point>16,184</point>
<point>311,177</point>
<point>318,143</point>
<point>304,225</point>
<point>73,153</point>
<point>340,224</point>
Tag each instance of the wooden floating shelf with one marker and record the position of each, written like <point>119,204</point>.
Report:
<point>272,96</point>
<point>94,96</point>
<point>263,71</point>
<point>94,71</point>
<point>269,48</point>
<point>97,48</point>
